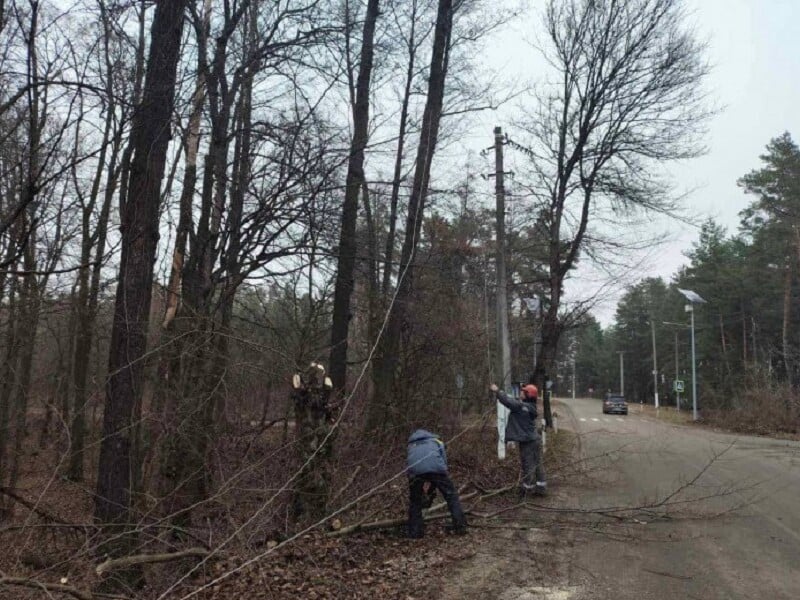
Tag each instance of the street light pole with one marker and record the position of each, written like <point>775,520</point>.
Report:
<point>621,372</point>
<point>693,298</point>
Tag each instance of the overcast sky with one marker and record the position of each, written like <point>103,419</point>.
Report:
<point>754,49</point>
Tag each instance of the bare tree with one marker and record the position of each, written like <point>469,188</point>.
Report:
<point>150,137</point>
<point>386,365</point>
<point>354,184</point>
<point>94,233</point>
<point>627,95</point>
<point>253,210</point>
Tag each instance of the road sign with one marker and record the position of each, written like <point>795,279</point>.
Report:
<point>533,304</point>
<point>678,385</point>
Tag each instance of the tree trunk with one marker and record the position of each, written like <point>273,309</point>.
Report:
<point>150,139</point>
<point>88,288</point>
<point>199,357</point>
<point>385,370</point>
<point>7,371</point>
<point>744,338</point>
<point>545,363</point>
<point>313,428</point>
<point>372,266</point>
<point>787,317</point>
<point>345,271</point>
<point>29,301</point>
<point>398,161</point>
<point>138,80</point>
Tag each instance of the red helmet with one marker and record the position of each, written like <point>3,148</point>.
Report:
<point>530,390</point>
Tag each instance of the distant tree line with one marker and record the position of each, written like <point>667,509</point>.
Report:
<point>747,337</point>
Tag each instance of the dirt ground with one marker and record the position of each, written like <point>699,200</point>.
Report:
<point>49,536</point>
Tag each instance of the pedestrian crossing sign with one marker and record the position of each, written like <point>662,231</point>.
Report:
<point>678,385</point>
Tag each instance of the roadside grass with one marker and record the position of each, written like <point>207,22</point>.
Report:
<point>668,414</point>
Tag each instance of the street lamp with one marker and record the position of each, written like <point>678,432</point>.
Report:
<point>693,298</point>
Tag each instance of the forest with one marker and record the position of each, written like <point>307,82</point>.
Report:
<point>203,200</point>
<point>746,339</point>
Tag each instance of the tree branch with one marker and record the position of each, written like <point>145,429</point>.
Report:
<point>141,559</point>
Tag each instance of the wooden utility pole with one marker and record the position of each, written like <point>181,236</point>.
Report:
<point>503,343</point>
<point>677,375</point>
<point>655,362</point>
<point>502,284</point>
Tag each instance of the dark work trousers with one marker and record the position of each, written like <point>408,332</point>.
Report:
<point>532,470</point>
<point>416,526</point>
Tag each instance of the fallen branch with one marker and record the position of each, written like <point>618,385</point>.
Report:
<point>47,587</point>
<point>32,507</point>
<point>427,515</point>
<point>383,524</point>
<point>141,559</point>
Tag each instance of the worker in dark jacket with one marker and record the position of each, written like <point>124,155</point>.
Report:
<point>426,464</point>
<point>521,428</point>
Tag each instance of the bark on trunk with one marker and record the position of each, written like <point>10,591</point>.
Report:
<point>150,139</point>
<point>313,427</point>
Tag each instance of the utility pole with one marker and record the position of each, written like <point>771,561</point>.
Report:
<point>502,290</point>
<point>655,362</point>
<point>694,369</point>
<point>677,373</point>
<point>621,372</point>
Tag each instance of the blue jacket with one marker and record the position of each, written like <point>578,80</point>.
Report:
<point>425,453</point>
<point>521,426</point>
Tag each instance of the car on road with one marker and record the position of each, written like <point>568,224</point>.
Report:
<point>615,405</point>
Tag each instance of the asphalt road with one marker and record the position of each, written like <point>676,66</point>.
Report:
<point>708,515</point>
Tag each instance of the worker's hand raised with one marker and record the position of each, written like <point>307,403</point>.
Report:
<point>494,388</point>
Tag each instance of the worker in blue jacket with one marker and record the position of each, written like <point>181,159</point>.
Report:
<point>521,428</point>
<point>426,465</point>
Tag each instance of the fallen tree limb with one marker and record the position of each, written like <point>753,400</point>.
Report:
<point>47,587</point>
<point>383,524</point>
<point>141,559</point>
<point>427,515</point>
<point>32,507</point>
